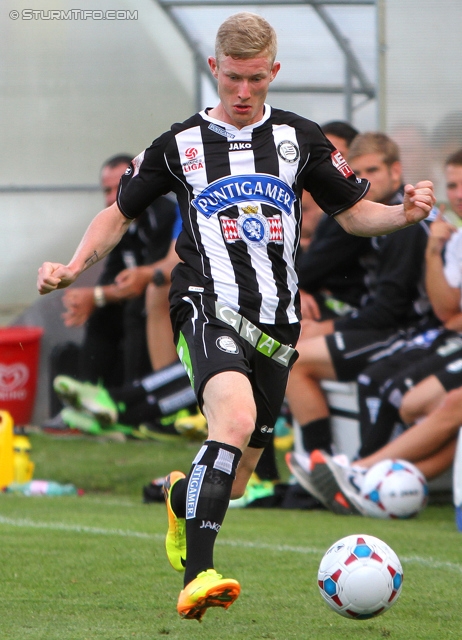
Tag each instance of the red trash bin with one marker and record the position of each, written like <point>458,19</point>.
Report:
<point>19,359</point>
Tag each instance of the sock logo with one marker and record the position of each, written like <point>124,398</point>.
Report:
<point>206,524</point>
<point>194,488</point>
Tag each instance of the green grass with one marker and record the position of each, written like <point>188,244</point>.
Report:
<point>93,567</point>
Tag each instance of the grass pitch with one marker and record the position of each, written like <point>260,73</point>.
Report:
<point>94,568</point>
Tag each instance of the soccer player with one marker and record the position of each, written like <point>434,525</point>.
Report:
<point>238,170</point>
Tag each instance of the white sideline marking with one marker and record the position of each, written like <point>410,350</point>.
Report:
<point>25,523</point>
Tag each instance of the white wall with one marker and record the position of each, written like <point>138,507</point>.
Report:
<point>422,87</point>
<point>73,93</point>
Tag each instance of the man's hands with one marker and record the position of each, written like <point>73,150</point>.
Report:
<point>52,276</point>
<point>131,283</point>
<point>418,201</point>
<point>440,232</point>
<point>79,303</point>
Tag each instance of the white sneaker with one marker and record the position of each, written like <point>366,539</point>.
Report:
<point>341,483</point>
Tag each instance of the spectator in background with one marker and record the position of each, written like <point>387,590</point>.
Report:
<point>430,445</point>
<point>161,346</point>
<point>341,134</point>
<point>445,139</point>
<point>432,359</point>
<point>114,349</point>
<point>396,307</point>
<point>331,275</point>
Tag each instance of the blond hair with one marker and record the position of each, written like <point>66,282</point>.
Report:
<point>245,35</point>
<point>374,142</point>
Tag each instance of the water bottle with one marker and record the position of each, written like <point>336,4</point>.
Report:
<point>457,481</point>
<point>43,488</point>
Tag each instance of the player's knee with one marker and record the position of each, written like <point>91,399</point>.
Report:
<point>411,407</point>
<point>452,403</point>
<point>243,423</point>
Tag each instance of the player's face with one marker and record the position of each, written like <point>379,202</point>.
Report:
<point>384,179</point>
<point>110,177</point>
<point>454,188</point>
<point>242,88</point>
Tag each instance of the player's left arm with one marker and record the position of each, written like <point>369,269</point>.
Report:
<point>367,218</point>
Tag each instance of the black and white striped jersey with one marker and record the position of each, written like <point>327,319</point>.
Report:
<point>239,194</point>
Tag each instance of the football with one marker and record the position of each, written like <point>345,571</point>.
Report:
<point>394,489</point>
<point>360,577</point>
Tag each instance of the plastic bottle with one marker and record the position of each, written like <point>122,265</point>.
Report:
<point>457,481</point>
<point>42,488</point>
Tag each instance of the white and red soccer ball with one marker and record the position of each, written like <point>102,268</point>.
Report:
<point>360,577</point>
<point>394,489</point>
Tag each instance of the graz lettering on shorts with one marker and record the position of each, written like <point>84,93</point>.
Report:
<point>194,487</point>
<point>230,191</point>
<point>262,342</point>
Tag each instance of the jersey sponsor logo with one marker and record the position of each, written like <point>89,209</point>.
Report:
<point>221,131</point>
<point>191,153</point>
<point>288,151</point>
<point>239,146</point>
<point>232,190</point>
<point>341,164</point>
<point>253,229</point>
<point>192,165</point>
<point>227,344</point>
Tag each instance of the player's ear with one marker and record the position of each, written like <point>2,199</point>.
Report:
<point>275,70</point>
<point>213,64</point>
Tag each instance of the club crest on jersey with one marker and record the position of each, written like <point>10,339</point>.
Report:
<point>227,344</point>
<point>341,164</point>
<point>253,228</point>
<point>288,151</point>
<point>234,190</point>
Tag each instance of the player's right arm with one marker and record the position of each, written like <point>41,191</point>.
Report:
<point>101,236</point>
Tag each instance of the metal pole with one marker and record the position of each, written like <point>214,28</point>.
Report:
<point>348,92</point>
<point>382,65</point>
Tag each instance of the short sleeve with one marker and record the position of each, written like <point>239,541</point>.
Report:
<point>146,179</point>
<point>329,178</point>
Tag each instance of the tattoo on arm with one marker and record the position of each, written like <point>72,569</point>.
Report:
<point>92,259</point>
